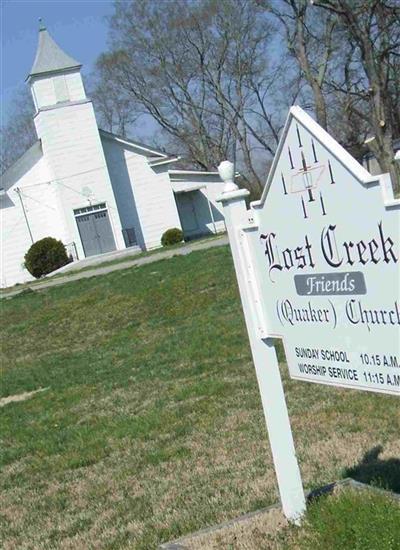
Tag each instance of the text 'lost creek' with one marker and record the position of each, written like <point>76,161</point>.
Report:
<point>354,312</point>
<point>376,249</point>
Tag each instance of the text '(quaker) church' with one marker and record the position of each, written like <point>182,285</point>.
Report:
<point>95,191</point>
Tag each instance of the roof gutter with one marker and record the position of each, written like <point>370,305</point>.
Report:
<point>163,161</point>
<point>192,172</point>
<point>131,143</point>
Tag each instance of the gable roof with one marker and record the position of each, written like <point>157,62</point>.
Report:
<point>50,57</point>
<point>147,150</point>
<point>22,164</point>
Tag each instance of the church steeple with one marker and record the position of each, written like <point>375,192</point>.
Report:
<point>49,56</point>
<point>55,78</point>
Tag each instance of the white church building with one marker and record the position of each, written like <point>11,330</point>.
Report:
<point>95,191</point>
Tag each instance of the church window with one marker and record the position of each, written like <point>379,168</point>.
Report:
<point>61,89</point>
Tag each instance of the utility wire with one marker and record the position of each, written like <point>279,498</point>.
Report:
<point>75,174</point>
<point>35,200</point>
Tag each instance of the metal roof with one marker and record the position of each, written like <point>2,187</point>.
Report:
<point>50,57</point>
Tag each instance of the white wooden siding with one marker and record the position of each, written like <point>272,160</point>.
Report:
<point>122,183</point>
<point>72,147</point>
<point>153,197</point>
<point>43,92</point>
<point>44,88</point>
<point>41,210</point>
<point>75,86</point>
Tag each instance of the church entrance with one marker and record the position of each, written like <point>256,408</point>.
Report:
<point>95,230</point>
<point>187,213</point>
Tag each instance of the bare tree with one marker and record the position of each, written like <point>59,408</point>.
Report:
<point>115,111</point>
<point>372,28</point>
<point>203,75</point>
<point>19,133</point>
<point>309,40</point>
<point>201,70</point>
<point>151,62</point>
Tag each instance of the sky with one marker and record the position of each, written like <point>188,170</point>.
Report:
<point>78,26</point>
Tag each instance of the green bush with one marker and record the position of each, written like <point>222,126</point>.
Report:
<point>45,256</point>
<point>172,236</point>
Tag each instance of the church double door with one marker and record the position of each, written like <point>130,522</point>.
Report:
<point>96,233</point>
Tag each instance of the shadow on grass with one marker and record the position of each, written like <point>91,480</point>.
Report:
<point>374,471</point>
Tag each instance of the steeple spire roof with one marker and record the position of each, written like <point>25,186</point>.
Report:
<point>49,56</point>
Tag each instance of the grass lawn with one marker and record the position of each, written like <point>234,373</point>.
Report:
<point>348,520</point>
<point>77,268</point>
<point>133,257</point>
<point>353,520</point>
<point>151,426</point>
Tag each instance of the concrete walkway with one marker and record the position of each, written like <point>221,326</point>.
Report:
<point>92,261</point>
<point>162,255</point>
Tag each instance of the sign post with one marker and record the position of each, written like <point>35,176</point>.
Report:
<point>317,261</point>
<point>264,358</point>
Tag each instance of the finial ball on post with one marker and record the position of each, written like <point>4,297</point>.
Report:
<point>226,172</point>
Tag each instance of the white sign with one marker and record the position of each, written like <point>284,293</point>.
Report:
<point>323,261</point>
<point>317,261</point>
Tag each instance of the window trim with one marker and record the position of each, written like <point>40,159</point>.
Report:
<point>84,210</point>
<point>61,78</point>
